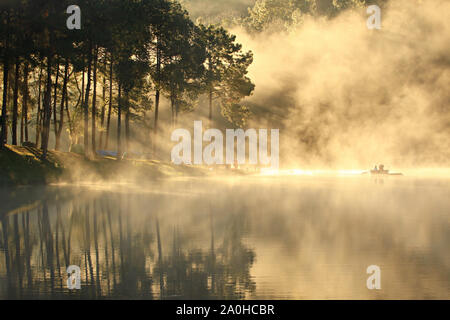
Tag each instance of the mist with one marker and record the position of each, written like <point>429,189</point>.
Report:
<point>313,240</point>
<point>214,11</point>
<point>344,96</point>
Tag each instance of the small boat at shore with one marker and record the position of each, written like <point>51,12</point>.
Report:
<point>381,171</point>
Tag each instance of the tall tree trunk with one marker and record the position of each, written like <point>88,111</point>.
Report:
<point>47,109</point>
<point>210,107</point>
<point>108,122</point>
<point>157,94</point>
<point>177,110</point>
<point>172,107</point>
<point>86,105</point>
<point>102,116</point>
<point>71,125</point>
<point>55,99</point>
<point>61,110</point>
<point>38,113</point>
<point>82,98</point>
<point>119,124</point>
<point>127,126</point>
<point>94,101</point>
<point>82,87</point>
<point>4,118</point>
<point>25,95</point>
<point>15,102</point>
<point>210,92</point>
<point>21,126</point>
<point>4,132</point>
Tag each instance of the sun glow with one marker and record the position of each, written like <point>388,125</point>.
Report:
<point>316,172</point>
<point>351,172</point>
<point>288,172</point>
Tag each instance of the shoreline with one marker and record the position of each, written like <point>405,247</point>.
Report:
<point>23,166</point>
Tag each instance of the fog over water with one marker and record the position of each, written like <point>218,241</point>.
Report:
<point>292,237</point>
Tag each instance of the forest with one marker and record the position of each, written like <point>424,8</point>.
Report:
<point>124,59</point>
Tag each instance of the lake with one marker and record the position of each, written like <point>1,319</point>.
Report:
<point>252,237</point>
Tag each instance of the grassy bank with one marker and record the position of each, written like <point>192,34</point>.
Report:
<point>23,166</point>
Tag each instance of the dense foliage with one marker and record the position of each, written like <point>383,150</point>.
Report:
<point>127,54</point>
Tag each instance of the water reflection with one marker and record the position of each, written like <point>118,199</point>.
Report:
<point>264,238</point>
<point>122,251</point>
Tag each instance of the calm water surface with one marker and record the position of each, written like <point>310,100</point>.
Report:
<point>280,237</point>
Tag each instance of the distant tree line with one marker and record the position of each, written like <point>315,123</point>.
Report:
<point>126,56</point>
<point>273,16</point>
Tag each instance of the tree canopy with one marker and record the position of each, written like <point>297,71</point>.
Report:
<point>125,52</point>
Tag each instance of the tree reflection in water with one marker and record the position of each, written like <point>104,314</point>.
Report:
<point>121,252</point>
<point>298,238</point>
